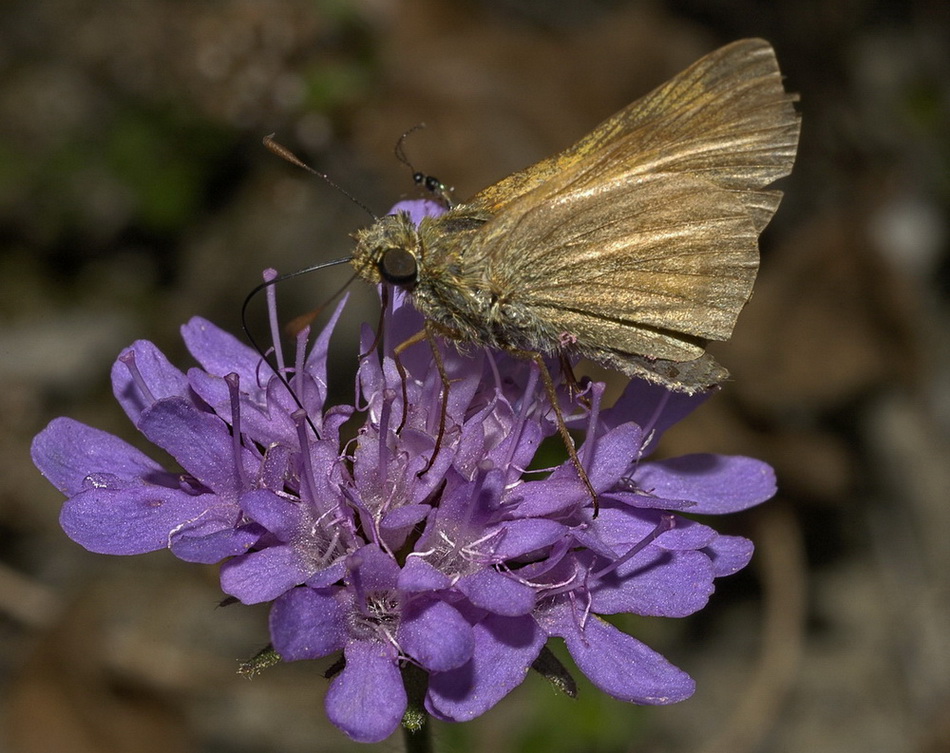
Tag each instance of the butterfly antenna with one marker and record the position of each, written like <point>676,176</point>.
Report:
<point>431,184</point>
<point>253,341</point>
<point>285,153</point>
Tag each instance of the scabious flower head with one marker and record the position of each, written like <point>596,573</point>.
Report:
<point>397,548</point>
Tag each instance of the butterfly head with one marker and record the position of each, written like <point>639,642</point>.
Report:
<point>389,250</point>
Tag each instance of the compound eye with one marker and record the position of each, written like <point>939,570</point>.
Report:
<point>398,266</point>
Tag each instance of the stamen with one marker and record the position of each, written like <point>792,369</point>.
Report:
<point>385,416</point>
<point>128,358</point>
<point>649,426</point>
<point>518,428</point>
<point>271,293</point>
<point>330,551</point>
<point>493,364</point>
<point>667,523</point>
<point>353,563</point>
<point>588,448</point>
<point>569,583</point>
<point>585,614</point>
<point>307,491</point>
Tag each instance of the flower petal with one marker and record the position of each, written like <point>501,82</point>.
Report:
<point>212,537</point>
<point>130,520</point>
<point>505,647</point>
<point>418,209</point>
<point>277,514</point>
<point>316,363</point>
<point>265,414</point>
<point>158,376</point>
<point>67,452</point>
<point>613,454</point>
<point>655,583</point>
<point>652,407</point>
<point>522,537</point>
<point>308,624</point>
<point>435,635</point>
<point>716,483</point>
<point>372,569</point>
<point>729,554</point>
<point>328,575</point>
<point>619,664</point>
<point>264,575</point>
<point>497,593</point>
<point>199,441</point>
<point>367,699</point>
<point>418,575</point>
<point>220,353</point>
<point>397,524</point>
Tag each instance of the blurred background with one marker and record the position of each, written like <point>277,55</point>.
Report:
<point>135,193</point>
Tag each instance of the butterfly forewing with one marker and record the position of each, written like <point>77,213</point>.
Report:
<point>640,242</point>
<point>727,116</point>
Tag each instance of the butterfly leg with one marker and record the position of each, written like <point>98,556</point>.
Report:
<point>403,375</point>
<point>570,379</point>
<point>548,381</point>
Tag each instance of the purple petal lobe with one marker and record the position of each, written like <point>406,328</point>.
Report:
<point>159,377</point>
<point>220,353</point>
<point>367,699</point>
<point>729,554</point>
<point>211,538</point>
<point>277,514</point>
<point>657,583</point>
<point>646,501</point>
<point>652,407</point>
<point>619,664</point>
<point>505,647</point>
<point>497,593</point>
<point>308,624</point>
<point>716,483</point>
<point>66,452</point>
<point>613,454</point>
<point>619,528</point>
<point>373,569</point>
<point>128,521</point>
<point>328,575</point>
<point>549,497</point>
<point>264,575</point>
<point>687,534</point>
<point>418,575</point>
<point>435,635</point>
<point>199,441</point>
<point>526,536</point>
<point>316,365</point>
<point>418,209</point>
<point>398,524</point>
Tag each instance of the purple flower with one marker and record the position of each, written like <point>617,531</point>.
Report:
<point>397,549</point>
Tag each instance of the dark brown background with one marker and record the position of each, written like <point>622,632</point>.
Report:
<point>134,193</point>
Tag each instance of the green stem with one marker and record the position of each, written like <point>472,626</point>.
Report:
<point>416,729</point>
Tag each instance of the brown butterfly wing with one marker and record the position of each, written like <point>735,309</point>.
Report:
<point>726,116</point>
<point>642,239</point>
<point>655,267</point>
